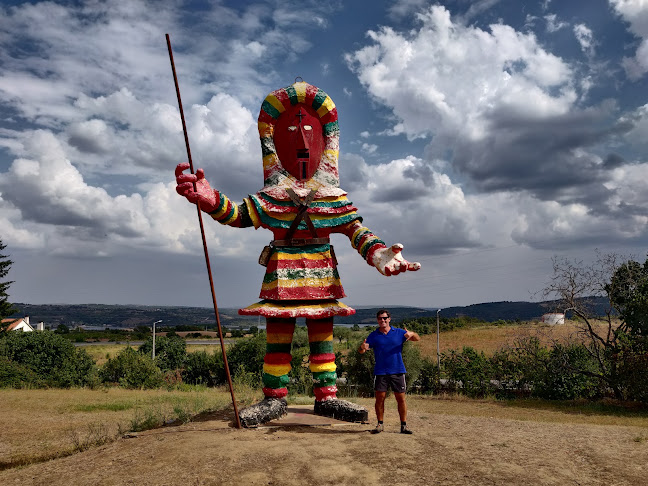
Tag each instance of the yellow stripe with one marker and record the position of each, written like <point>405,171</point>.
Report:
<point>316,368</point>
<point>218,214</point>
<point>369,240</point>
<point>277,370</point>
<point>314,217</point>
<point>355,233</point>
<point>300,89</point>
<point>301,282</point>
<point>299,256</point>
<point>272,99</point>
<point>332,154</point>
<point>252,212</point>
<point>270,161</point>
<point>327,106</point>
<point>266,129</point>
<point>300,305</point>
<point>319,337</point>
<point>232,218</point>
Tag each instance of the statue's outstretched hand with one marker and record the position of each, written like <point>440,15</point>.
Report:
<point>389,261</point>
<point>208,197</point>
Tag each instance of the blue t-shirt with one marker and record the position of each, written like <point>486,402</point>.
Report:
<point>388,351</point>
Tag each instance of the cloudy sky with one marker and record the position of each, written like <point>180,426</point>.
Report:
<point>486,136</point>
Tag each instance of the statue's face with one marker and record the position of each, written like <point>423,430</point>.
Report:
<point>299,141</point>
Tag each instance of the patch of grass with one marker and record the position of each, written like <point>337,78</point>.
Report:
<point>585,407</point>
<point>71,420</point>
<point>113,407</point>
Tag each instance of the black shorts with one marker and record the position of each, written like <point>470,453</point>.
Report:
<point>396,382</point>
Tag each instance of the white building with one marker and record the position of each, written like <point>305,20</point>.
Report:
<point>20,324</point>
<point>553,319</point>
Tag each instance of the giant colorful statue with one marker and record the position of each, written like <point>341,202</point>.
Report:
<point>302,204</point>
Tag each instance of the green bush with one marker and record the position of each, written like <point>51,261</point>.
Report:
<point>468,371</point>
<point>517,368</point>
<point>53,358</point>
<point>15,375</point>
<point>427,381</point>
<point>170,352</point>
<point>201,368</point>
<point>565,374</point>
<point>359,370</point>
<point>131,369</point>
<point>301,379</point>
<point>246,357</point>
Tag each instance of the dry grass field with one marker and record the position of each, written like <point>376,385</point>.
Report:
<point>78,436</point>
<point>490,338</point>
<point>457,441</point>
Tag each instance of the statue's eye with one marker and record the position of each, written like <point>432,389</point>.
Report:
<point>292,128</point>
<point>307,127</point>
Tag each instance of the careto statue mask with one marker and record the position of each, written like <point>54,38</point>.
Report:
<point>299,141</point>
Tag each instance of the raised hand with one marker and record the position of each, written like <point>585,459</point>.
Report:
<point>389,261</point>
<point>363,347</point>
<point>208,197</point>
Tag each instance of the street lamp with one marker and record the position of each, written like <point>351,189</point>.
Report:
<point>438,350</point>
<point>154,337</point>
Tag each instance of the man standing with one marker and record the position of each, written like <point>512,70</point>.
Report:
<point>389,370</point>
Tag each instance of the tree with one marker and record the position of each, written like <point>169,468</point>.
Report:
<point>614,345</point>
<point>342,333</point>
<point>6,308</point>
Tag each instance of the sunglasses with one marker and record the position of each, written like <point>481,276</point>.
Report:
<point>384,318</point>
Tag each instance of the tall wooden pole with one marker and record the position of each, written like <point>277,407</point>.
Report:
<point>204,240</point>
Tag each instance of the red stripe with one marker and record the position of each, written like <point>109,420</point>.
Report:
<point>303,293</point>
<point>275,392</point>
<point>322,358</point>
<point>324,392</point>
<point>265,118</point>
<point>281,263</point>
<point>283,97</point>
<point>319,327</point>
<point>329,117</point>
<point>278,358</point>
<point>311,92</point>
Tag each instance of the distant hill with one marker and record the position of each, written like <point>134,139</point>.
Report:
<point>130,316</point>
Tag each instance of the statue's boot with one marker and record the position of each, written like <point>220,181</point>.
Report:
<point>266,410</point>
<point>342,410</point>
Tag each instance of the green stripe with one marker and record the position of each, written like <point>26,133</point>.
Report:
<point>358,237</point>
<point>319,99</point>
<point>220,205</point>
<point>317,204</point>
<point>270,110</point>
<point>370,245</point>
<point>228,215</point>
<point>331,129</point>
<point>321,347</point>
<point>324,378</point>
<point>292,94</point>
<point>297,273</point>
<point>293,250</point>
<point>246,220</point>
<point>278,347</point>
<point>271,381</point>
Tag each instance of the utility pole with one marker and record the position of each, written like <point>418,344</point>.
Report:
<point>154,338</point>
<point>438,350</point>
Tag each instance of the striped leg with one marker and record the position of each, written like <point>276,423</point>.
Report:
<point>276,363</point>
<point>322,358</point>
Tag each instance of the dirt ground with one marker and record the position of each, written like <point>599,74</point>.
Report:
<point>454,443</point>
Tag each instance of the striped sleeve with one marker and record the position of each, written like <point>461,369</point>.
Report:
<point>362,239</point>
<point>237,215</point>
